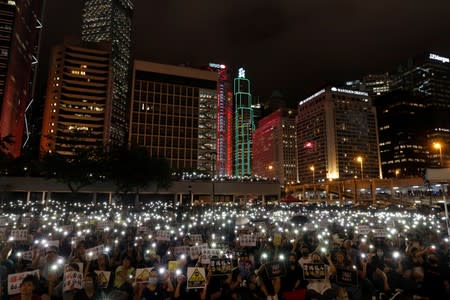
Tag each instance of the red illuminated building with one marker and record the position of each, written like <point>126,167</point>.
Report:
<point>19,37</point>
<point>274,147</point>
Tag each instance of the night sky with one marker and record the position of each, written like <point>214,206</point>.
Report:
<point>295,46</point>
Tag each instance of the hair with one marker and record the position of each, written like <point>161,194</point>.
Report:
<point>30,278</point>
<point>94,278</point>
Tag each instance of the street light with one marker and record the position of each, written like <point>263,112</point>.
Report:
<point>397,172</point>
<point>360,160</point>
<point>314,179</point>
<point>439,146</point>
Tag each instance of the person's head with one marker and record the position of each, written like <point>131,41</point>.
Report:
<point>126,262</point>
<point>72,267</point>
<point>103,260</point>
<point>340,257</point>
<point>28,285</point>
<point>347,244</point>
<point>153,277</point>
<point>89,281</point>
<point>292,259</point>
<point>304,250</point>
<point>315,258</point>
<point>51,253</point>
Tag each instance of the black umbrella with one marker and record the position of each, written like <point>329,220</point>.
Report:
<point>299,219</point>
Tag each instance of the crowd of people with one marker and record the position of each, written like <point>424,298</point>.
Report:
<point>257,253</point>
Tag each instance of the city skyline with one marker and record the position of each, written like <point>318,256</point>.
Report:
<point>293,47</point>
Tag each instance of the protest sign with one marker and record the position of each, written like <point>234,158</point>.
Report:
<point>275,269</point>
<point>27,255</point>
<point>4,221</point>
<point>177,251</point>
<point>72,280</point>
<point>314,271</point>
<point>163,235</point>
<point>19,235</point>
<point>142,274</point>
<point>172,265</point>
<point>380,232</point>
<point>346,277</point>
<point>363,229</point>
<point>93,253</point>
<point>15,281</point>
<point>196,278</point>
<point>104,224</point>
<point>207,254</point>
<point>220,266</point>
<point>52,243</point>
<point>277,239</point>
<point>195,251</point>
<point>67,228</point>
<point>247,240</point>
<point>196,238</point>
<point>103,278</point>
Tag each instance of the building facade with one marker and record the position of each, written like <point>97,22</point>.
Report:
<point>275,147</point>
<point>20,27</point>
<point>111,20</point>
<point>414,123</point>
<point>174,115</point>
<point>78,103</point>
<point>243,125</point>
<point>224,144</point>
<point>337,136</point>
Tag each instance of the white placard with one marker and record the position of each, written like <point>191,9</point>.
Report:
<point>15,281</point>
<point>207,254</point>
<point>19,234</point>
<point>195,251</point>
<point>162,235</point>
<point>93,253</point>
<point>196,238</point>
<point>72,280</point>
<point>247,240</point>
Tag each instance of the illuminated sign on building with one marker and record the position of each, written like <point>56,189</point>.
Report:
<point>217,66</point>
<point>439,58</point>
<point>359,93</point>
<point>241,73</point>
<point>311,97</point>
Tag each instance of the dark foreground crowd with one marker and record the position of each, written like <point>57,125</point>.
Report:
<point>412,266</point>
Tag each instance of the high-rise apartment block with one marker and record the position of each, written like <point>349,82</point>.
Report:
<point>337,136</point>
<point>78,103</point>
<point>110,20</point>
<point>20,25</point>
<point>275,147</point>
<point>174,115</point>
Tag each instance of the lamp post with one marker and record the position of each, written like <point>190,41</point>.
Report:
<point>439,147</point>
<point>213,160</point>
<point>313,181</point>
<point>360,160</point>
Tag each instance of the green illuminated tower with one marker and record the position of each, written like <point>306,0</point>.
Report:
<point>244,125</point>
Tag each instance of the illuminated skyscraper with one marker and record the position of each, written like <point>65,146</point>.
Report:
<point>20,27</point>
<point>173,114</point>
<point>224,157</point>
<point>244,125</point>
<point>275,147</point>
<point>110,20</point>
<point>78,100</point>
<point>334,127</point>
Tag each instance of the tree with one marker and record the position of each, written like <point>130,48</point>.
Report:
<point>84,168</point>
<point>6,159</point>
<point>132,169</point>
